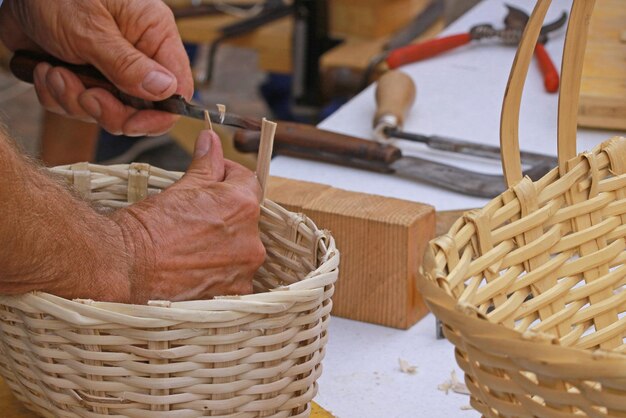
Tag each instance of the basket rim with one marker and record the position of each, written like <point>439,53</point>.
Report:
<point>218,309</point>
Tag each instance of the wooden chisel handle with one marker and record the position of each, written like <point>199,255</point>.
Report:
<point>307,141</point>
<point>395,94</point>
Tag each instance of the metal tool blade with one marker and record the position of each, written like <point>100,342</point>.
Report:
<point>516,18</point>
<point>457,179</point>
<point>449,177</point>
<point>178,105</point>
<point>469,148</point>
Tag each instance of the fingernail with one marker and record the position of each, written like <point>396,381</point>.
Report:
<point>91,106</point>
<point>40,72</point>
<point>203,144</point>
<point>57,84</point>
<point>157,82</point>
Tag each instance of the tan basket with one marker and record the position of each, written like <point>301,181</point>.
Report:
<point>531,289</point>
<point>247,356</point>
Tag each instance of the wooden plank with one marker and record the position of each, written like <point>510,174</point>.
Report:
<point>371,19</point>
<point>381,242</point>
<point>365,26</point>
<point>271,41</point>
<point>603,88</point>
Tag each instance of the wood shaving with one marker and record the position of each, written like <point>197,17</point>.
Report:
<point>466,408</point>
<point>406,367</point>
<point>222,109</point>
<point>454,385</point>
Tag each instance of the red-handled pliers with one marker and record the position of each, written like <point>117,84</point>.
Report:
<point>515,22</point>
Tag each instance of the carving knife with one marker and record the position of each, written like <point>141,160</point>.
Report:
<point>23,64</point>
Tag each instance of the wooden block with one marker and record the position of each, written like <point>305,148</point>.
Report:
<point>370,19</point>
<point>293,195</point>
<point>603,85</point>
<point>381,240</point>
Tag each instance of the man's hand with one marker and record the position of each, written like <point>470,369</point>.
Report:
<point>200,237</point>
<point>197,239</point>
<point>134,43</point>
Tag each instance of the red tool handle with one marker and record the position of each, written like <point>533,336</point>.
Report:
<point>550,75</point>
<point>426,49</point>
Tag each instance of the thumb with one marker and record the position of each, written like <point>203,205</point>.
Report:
<point>131,70</point>
<point>208,158</point>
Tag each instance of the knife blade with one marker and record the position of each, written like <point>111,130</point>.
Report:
<point>23,64</point>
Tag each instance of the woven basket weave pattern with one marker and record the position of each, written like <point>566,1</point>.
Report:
<point>257,355</point>
<point>531,289</point>
<point>522,244</point>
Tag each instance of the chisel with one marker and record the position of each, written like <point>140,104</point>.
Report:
<point>395,94</point>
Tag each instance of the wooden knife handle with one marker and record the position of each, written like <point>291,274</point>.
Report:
<point>395,94</point>
<point>302,138</point>
<point>23,65</point>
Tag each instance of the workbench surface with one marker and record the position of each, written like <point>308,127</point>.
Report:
<point>459,95</point>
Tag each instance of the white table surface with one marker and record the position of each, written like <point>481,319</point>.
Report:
<point>459,95</point>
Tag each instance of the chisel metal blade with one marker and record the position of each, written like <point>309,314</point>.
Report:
<point>178,105</point>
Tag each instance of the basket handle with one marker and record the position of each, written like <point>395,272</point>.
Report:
<point>571,72</point>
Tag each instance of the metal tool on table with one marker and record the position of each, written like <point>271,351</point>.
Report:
<point>515,22</point>
<point>395,94</point>
<point>295,139</point>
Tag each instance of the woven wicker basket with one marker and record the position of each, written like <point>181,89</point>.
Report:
<point>257,355</point>
<point>531,289</point>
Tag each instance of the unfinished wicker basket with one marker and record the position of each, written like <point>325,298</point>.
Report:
<point>257,355</point>
<point>531,289</point>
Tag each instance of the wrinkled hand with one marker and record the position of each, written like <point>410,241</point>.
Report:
<point>134,43</point>
<point>200,237</point>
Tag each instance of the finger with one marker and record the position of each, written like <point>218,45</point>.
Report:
<point>208,159</point>
<point>131,70</point>
<point>45,96</point>
<point>164,45</point>
<point>237,175</point>
<point>118,118</point>
<point>65,87</point>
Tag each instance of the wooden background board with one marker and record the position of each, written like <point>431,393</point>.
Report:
<point>603,88</point>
